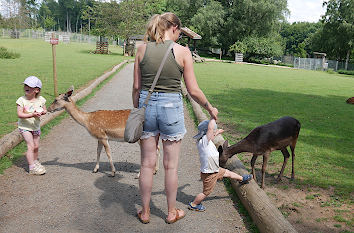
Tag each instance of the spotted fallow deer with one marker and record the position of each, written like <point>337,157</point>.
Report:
<point>264,139</point>
<point>103,125</point>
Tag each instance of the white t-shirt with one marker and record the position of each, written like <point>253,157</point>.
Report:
<point>32,123</point>
<point>208,156</point>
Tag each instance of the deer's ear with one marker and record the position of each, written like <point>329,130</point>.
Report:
<point>70,91</point>
<point>225,145</point>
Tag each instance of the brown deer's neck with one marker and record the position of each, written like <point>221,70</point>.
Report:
<point>241,146</point>
<point>78,115</point>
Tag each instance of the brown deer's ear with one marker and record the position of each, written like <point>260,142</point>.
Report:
<point>225,145</point>
<point>70,91</point>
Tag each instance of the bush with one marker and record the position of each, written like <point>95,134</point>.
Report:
<point>4,54</point>
<point>348,72</point>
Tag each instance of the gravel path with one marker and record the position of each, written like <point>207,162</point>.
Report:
<point>70,198</point>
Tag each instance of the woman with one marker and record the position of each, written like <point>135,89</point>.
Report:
<point>164,115</point>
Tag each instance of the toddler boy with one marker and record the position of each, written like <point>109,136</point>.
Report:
<point>209,163</point>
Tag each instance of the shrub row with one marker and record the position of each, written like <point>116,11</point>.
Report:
<point>5,54</point>
<point>348,72</point>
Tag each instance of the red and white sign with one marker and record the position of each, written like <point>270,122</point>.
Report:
<point>54,41</point>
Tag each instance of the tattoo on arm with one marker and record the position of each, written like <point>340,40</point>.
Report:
<point>206,105</point>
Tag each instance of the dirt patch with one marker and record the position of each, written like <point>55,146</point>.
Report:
<point>307,208</point>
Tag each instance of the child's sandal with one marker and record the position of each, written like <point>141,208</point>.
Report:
<point>246,179</point>
<point>198,207</point>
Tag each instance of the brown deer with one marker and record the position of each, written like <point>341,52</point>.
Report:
<point>103,125</point>
<point>276,135</point>
<point>350,100</point>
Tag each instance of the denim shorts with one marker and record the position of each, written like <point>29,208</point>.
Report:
<point>164,115</point>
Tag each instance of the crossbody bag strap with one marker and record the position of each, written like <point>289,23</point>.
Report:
<point>158,74</point>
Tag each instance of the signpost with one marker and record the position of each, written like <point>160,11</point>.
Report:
<point>54,41</point>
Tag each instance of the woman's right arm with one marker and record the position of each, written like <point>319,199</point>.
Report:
<point>192,86</point>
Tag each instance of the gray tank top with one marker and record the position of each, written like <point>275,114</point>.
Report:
<point>170,78</point>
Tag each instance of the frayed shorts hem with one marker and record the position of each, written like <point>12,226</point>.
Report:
<point>164,137</point>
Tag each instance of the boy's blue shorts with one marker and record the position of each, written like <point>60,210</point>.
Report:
<point>164,115</point>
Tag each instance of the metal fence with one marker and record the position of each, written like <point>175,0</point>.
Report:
<point>63,36</point>
<point>313,63</point>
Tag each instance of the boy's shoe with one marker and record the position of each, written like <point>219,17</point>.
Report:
<point>198,207</point>
<point>38,164</point>
<point>246,179</point>
<point>37,170</point>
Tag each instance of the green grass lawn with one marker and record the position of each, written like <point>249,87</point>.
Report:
<point>248,96</point>
<point>75,66</point>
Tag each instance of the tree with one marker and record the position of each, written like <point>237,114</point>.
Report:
<point>87,13</point>
<point>296,37</point>
<point>208,22</point>
<point>257,18</point>
<point>15,14</point>
<point>185,9</point>
<point>338,28</point>
<point>263,47</point>
<point>238,47</point>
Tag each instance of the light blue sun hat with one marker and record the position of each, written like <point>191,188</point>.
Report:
<point>203,129</point>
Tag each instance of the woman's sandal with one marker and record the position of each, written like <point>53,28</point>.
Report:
<point>142,220</point>
<point>178,217</point>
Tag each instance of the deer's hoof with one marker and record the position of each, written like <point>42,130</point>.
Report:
<point>113,174</point>
<point>95,170</point>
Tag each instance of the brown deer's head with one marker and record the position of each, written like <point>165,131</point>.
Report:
<point>60,101</point>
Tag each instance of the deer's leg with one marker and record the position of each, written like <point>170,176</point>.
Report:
<point>108,152</point>
<point>286,157</point>
<point>253,161</point>
<point>99,149</point>
<point>292,148</point>
<point>264,167</point>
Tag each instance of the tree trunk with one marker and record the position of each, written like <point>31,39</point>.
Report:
<point>67,21</point>
<point>264,214</point>
<point>347,59</point>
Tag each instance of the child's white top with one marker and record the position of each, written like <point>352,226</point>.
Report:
<point>32,123</point>
<point>208,156</point>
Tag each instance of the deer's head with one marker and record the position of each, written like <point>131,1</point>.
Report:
<point>223,156</point>
<point>60,101</point>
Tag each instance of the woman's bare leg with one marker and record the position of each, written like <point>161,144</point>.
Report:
<point>148,161</point>
<point>171,151</point>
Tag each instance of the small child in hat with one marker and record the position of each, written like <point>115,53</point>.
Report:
<point>29,109</point>
<point>209,163</point>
